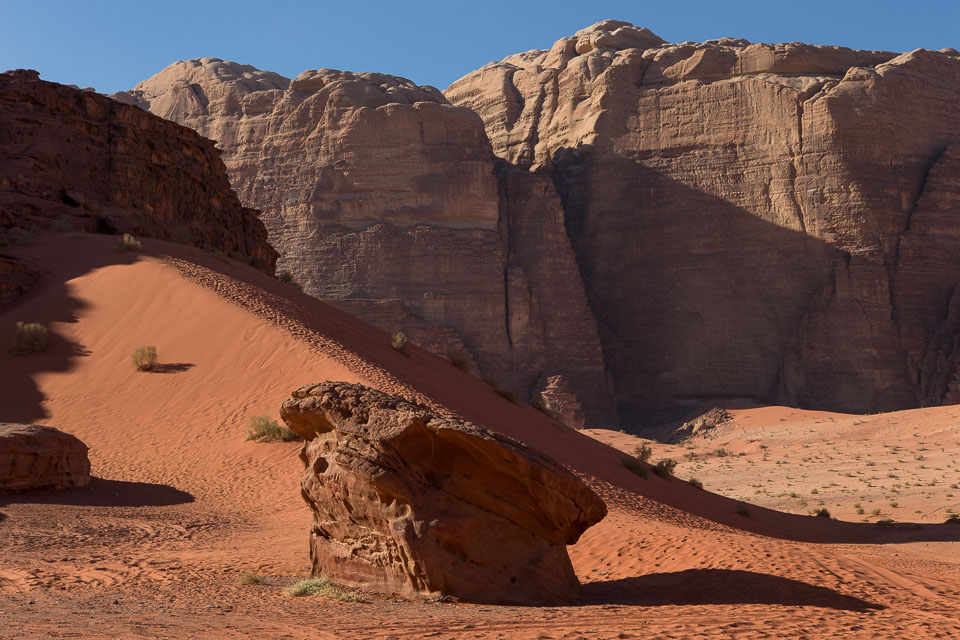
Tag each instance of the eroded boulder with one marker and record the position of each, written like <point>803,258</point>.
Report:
<point>37,457</point>
<point>408,501</point>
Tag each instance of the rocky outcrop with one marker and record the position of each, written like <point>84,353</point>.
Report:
<point>559,401</point>
<point>751,220</point>
<point>407,501</point>
<point>73,159</point>
<point>16,277</point>
<point>36,457</point>
<point>383,198</point>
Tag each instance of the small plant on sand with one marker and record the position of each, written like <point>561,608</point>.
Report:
<point>885,522</point>
<point>823,513</point>
<point>399,343</point>
<point>127,243</point>
<point>144,358</point>
<point>695,483</point>
<point>742,509</point>
<point>459,359</point>
<point>643,452</point>
<point>322,587</point>
<point>634,465</point>
<point>31,337</point>
<point>952,518</point>
<point>249,577</point>
<point>263,429</point>
<point>287,278</point>
<point>665,467</point>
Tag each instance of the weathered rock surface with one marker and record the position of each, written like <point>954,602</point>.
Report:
<point>562,403</point>
<point>383,198</point>
<point>410,502</point>
<point>36,457</point>
<point>769,221</point>
<point>77,159</point>
<point>16,277</point>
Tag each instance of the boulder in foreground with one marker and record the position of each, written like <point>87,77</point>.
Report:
<point>36,457</point>
<point>407,501</point>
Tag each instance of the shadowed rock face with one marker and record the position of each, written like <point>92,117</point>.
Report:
<point>411,502</point>
<point>772,221</point>
<point>386,200</point>
<point>77,160</point>
<point>35,457</point>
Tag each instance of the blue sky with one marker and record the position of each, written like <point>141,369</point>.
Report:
<point>112,45</point>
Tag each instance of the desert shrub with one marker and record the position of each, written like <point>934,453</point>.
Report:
<point>634,465</point>
<point>742,509</point>
<point>885,522</point>
<point>144,358</point>
<point>249,577</point>
<point>643,452</point>
<point>263,429</point>
<point>459,359</point>
<point>665,467</point>
<point>823,513</point>
<point>322,587</point>
<point>30,337</point>
<point>127,243</point>
<point>953,518</point>
<point>721,452</point>
<point>508,394</point>
<point>695,483</point>
<point>399,343</point>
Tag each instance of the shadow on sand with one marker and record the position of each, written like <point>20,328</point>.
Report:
<point>106,493</point>
<point>172,367</point>
<point>719,586</point>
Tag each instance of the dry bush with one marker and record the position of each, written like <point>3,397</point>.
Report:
<point>634,465</point>
<point>399,343</point>
<point>643,452</point>
<point>127,243</point>
<point>322,587</point>
<point>664,468</point>
<point>459,359</point>
<point>144,358</point>
<point>263,429</point>
<point>31,337</point>
<point>249,577</point>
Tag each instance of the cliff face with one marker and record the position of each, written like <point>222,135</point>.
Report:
<point>771,221</point>
<point>88,160</point>
<point>386,200</point>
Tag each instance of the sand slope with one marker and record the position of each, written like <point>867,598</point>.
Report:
<point>182,503</point>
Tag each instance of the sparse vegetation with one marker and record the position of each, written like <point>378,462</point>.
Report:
<point>459,359</point>
<point>952,518</point>
<point>263,429</point>
<point>287,278</point>
<point>634,465</point>
<point>144,358</point>
<point>742,509</point>
<point>249,577</point>
<point>664,468</point>
<point>322,587</point>
<point>885,522</point>
<point>693,482</point>
<point>643,452</point>
<point>30,337</point>
<point>823,513</point>
<point>399,343</point>
<point>128,243</point>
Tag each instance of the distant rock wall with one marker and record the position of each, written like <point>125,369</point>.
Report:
<point>94,163</point>
<point>385,199</point>
<point>771,221</point>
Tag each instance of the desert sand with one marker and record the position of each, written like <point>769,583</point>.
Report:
<point>180,503</point>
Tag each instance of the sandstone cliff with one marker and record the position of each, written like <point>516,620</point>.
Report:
<point>84,161</point>
<point>407,501</point>
<point>770,221</point>
<point>386,200</point>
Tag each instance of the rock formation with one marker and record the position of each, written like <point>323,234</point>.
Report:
<point>408,501</point>
<point>386,200</point>
<point>36,457</point>
<point>78,160</point>
<point>769,221</point>
<point>561,403</point>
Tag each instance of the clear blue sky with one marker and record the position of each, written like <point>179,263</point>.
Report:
<point>112,45</point>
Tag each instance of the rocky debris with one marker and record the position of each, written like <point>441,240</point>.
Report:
<point>79,160</point>
<point>561,403</point>
<point>750,220</point>
<point>387,201</point>
<point>705,422</point>
<point>411,502</point>
<point>37,457</point>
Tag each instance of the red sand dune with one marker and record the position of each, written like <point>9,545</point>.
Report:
<point>182,503</point>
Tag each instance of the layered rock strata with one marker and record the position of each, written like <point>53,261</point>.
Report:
<point>37,457</point>
<point>73,159</point>
<point>407,501</point>
<point>768,221</point>
<point>383,198</point>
